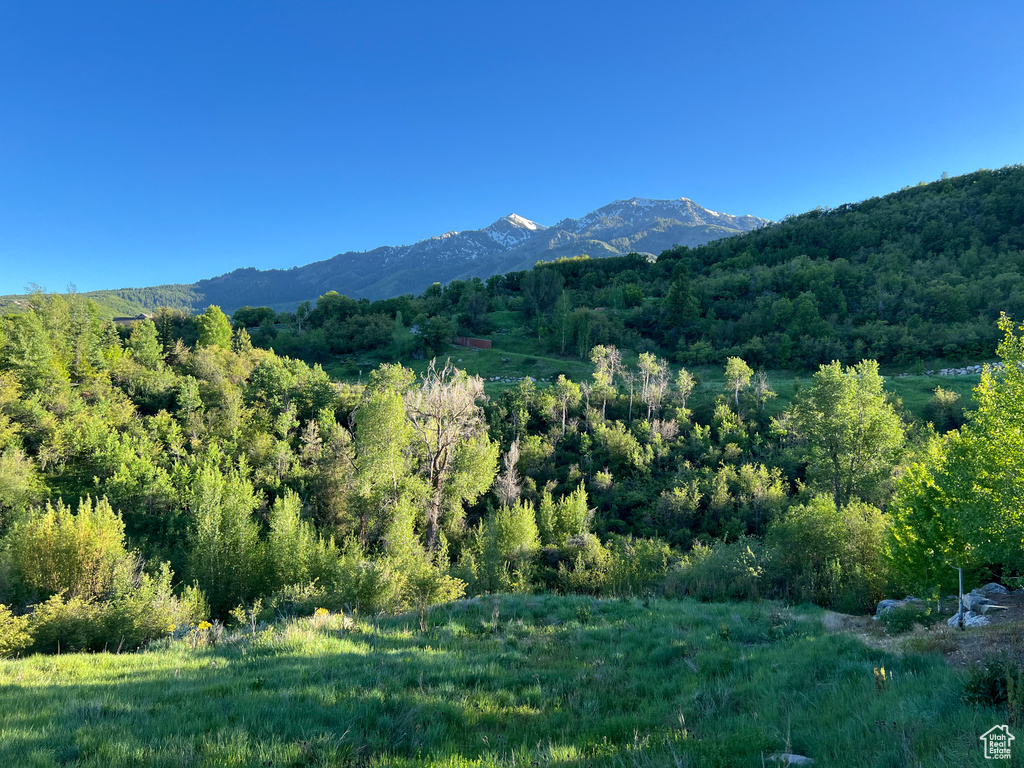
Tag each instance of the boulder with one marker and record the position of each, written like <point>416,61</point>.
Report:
<point>790,759</point>
<point>991,608</point>
<point>993,589</point>
<point>971,619</point>
<point>887,605</point>
<point>973,601</point>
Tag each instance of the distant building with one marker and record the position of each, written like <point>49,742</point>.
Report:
<point>466,341</point>
<point>130,320</point>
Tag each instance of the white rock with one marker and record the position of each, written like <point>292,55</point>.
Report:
<point>970,620</point>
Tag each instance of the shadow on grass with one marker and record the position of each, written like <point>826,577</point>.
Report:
<point>500,682</point>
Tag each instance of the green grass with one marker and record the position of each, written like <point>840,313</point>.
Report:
<point>509,681</point>
<point>916,391</point>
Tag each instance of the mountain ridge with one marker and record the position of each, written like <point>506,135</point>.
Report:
<point>510,243</point>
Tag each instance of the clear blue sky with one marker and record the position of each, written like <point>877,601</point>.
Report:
<point>150,142</point>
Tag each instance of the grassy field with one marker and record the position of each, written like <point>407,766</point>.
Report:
<point>509,681</point>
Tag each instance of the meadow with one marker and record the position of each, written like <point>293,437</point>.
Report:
<point>498,681</point>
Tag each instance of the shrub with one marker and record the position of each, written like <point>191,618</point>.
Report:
<point>368,586</point>
<point>897,621</point>
<point>225,552</point>
<point>427,585</point>
<point>150,610</point>
<point>719,572</point>
<point>582,565</point>
<point>997,682</point>
<point>14,635</point>
<point>828,556</point>
<point>294,552</point>
<point>637,566</point>
<point>127,621</point>
<point>72,624</point>
<point>80,555</point>
<point>945,410</point>
<point>500,553</point>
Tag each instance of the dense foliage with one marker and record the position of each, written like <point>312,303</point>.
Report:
<point>912,276</point>
<point>176,469</point>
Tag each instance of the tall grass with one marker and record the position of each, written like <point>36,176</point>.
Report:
<point>509,681</point>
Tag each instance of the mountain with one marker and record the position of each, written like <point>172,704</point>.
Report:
<point>511,243</point>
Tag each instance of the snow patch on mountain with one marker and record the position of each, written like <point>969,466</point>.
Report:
<point>509,231</point>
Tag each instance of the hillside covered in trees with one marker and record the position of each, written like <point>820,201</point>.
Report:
<point>168,471</point>
<point>913,276</point>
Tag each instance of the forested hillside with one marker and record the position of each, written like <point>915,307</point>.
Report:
<point>168,471</point>
<point>918,275</point>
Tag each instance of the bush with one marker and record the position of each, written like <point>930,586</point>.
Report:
<point>580,565</point>
<point>225,553</point>
<point>897,621</point>
<point>500,553</point>
<point>830,557</point>
<point>997,682</point>
<point>146,611</point>
<point>368,586</point>
<point>150,610</point>
<point>14,635</point>
<point>294,552</point>
<point>637,566</point>
<point>55,551</point>
<point>427,585</point>
<point>72,624</point>
<point>945,410</point>
<point>719,572</point>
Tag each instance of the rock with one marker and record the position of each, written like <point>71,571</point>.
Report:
<point>887,605</point>
<point>973,601</point>
<point>993,589</point>
<point>970,620</point>
<point>987,609</point>
<point>790,759</point>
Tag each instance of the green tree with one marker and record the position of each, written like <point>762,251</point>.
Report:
<point>295,554</point>
<point>567,395</point>
<point>737,377</point>
<point>607,365</point>
<point>563,321</point>
<point>80,554</point>
<point>20,484</point>
<point>214,328</point>
<point>383,447</point>
<point>963,503</point>
<point>853,436</point>
<point>830,556</point>
<point>224,547</point>
<point>456,457</point>
<point>145,346</point>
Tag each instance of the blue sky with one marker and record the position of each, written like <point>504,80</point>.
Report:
<point>144,143</point>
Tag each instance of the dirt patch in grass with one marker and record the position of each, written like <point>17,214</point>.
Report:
<point>960,647</point>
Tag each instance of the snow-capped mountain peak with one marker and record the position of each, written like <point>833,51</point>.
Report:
<point>519,221</point>
<point>509,231</point>
<point>512,243</point>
